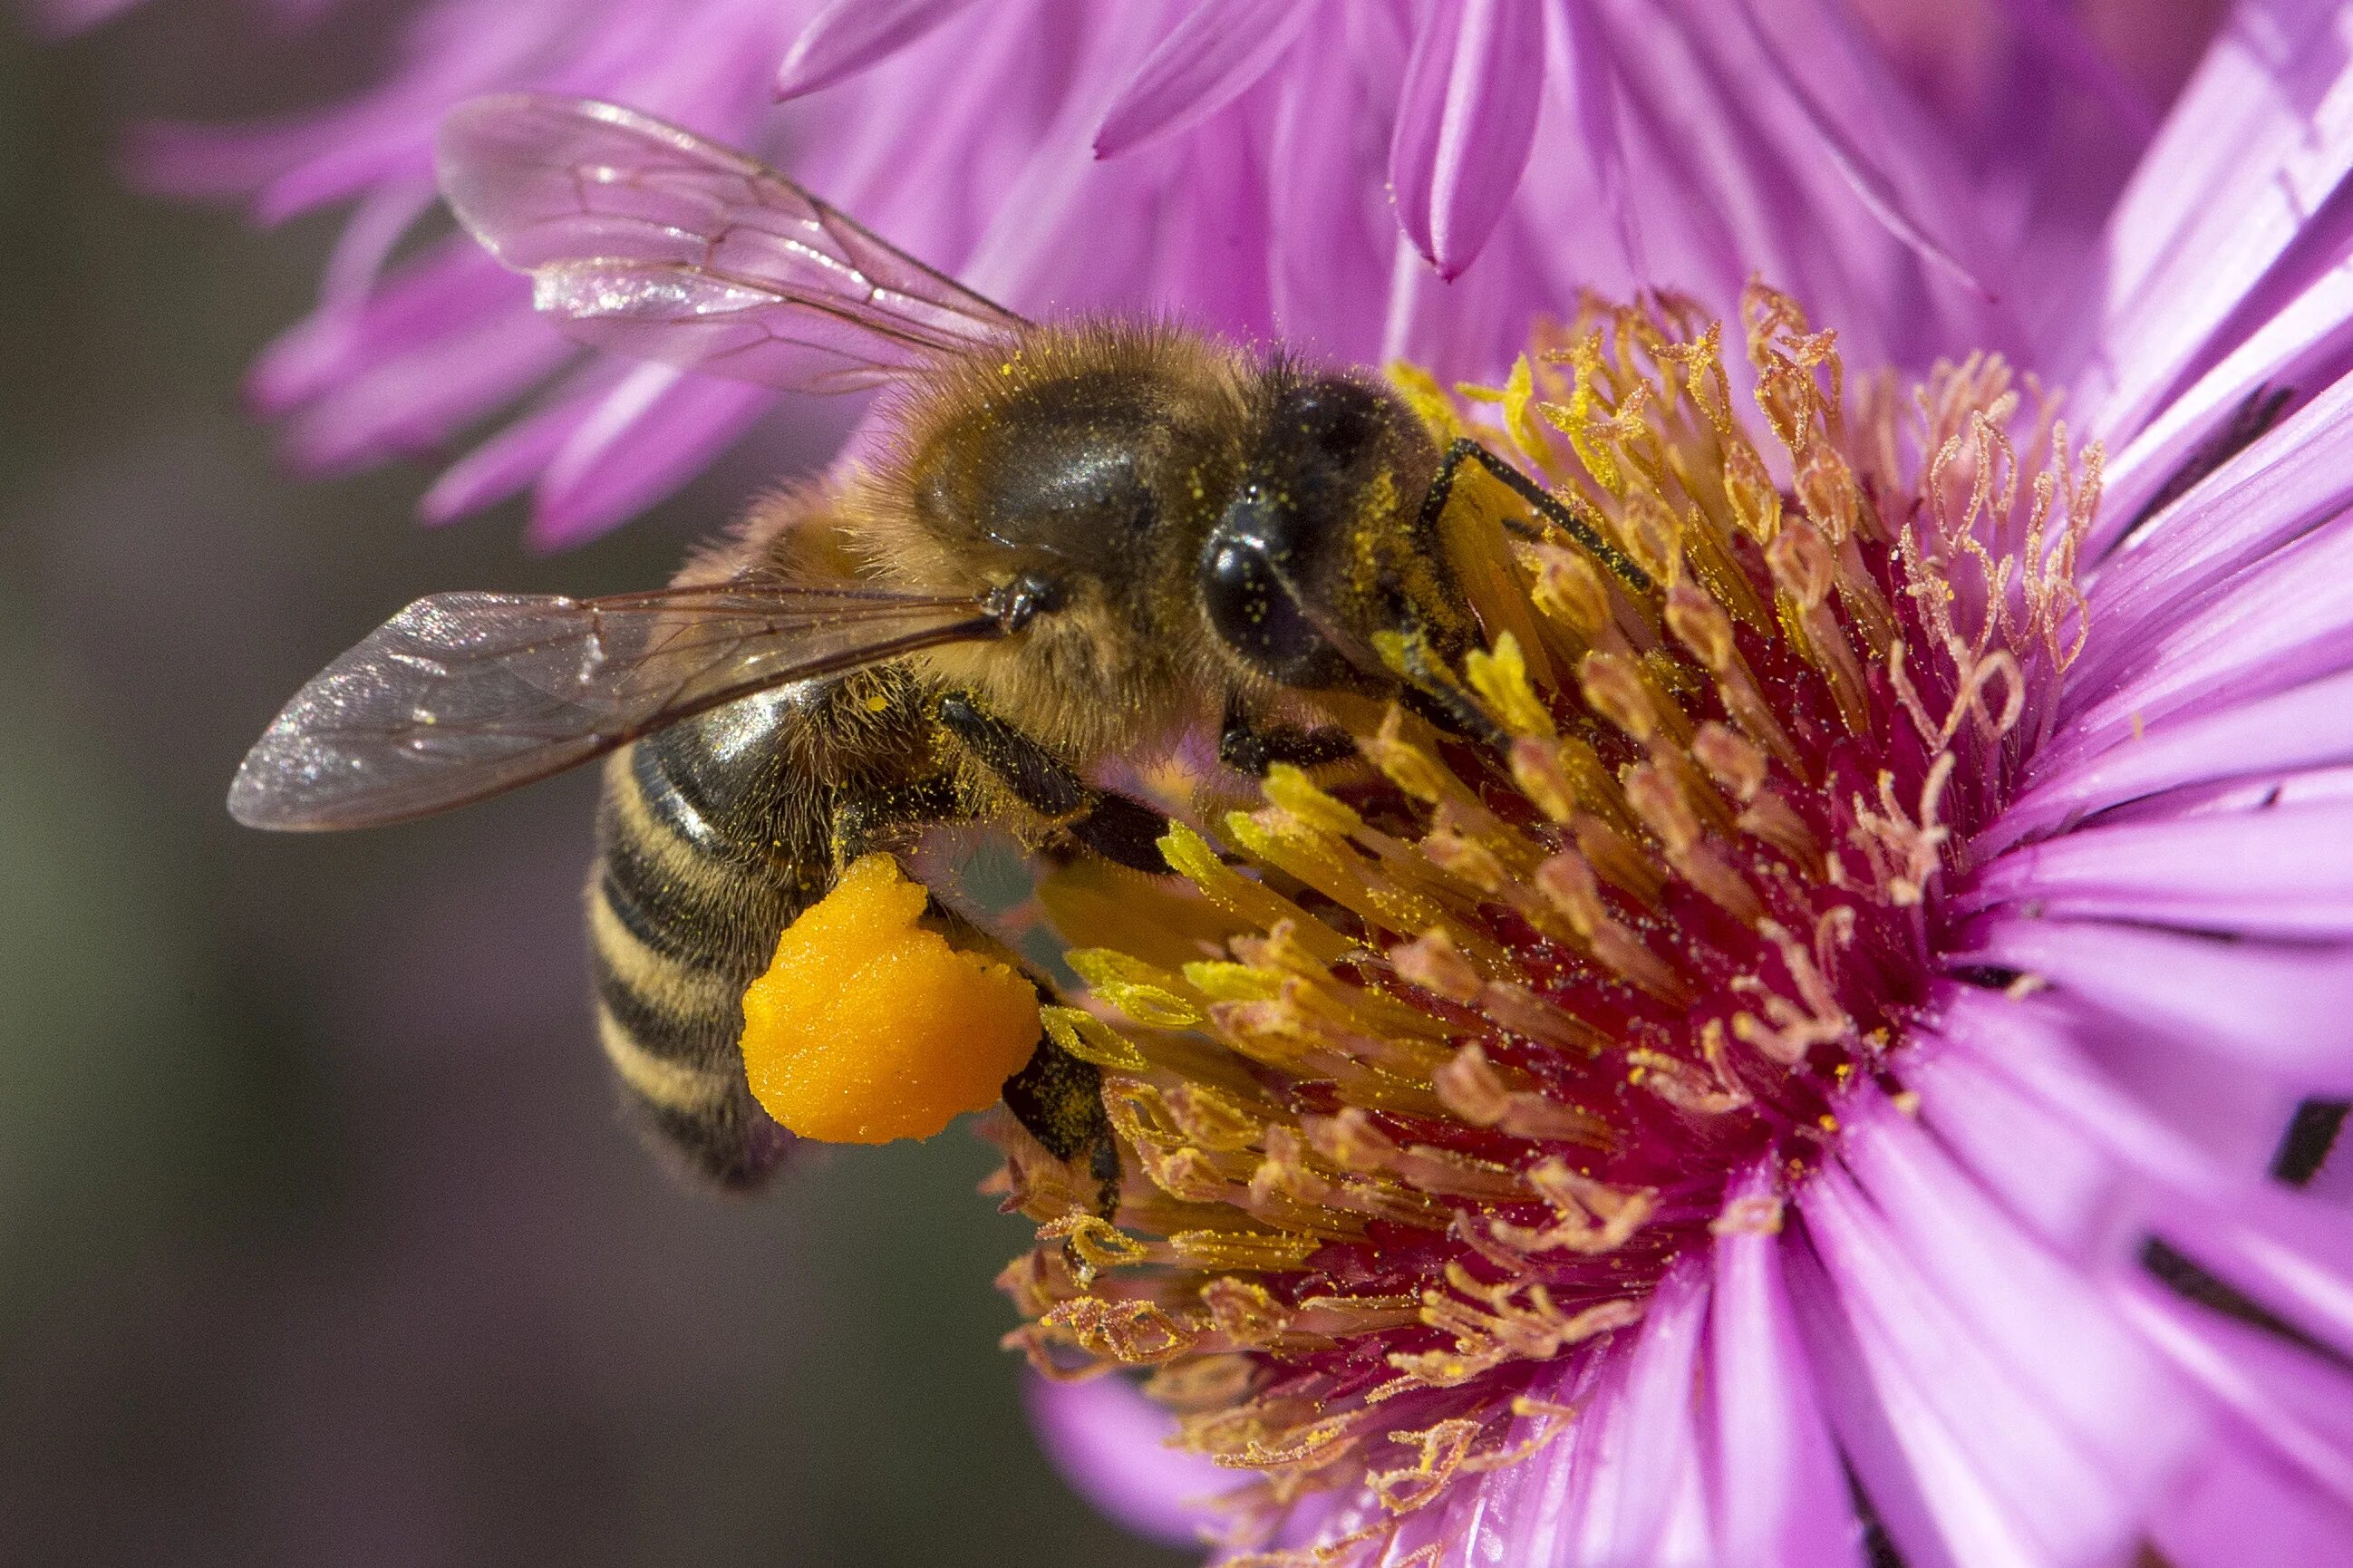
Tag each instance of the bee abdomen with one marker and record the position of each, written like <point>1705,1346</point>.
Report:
<point>691,889</point>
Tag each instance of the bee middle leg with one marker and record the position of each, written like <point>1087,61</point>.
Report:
<point>1119,829</point>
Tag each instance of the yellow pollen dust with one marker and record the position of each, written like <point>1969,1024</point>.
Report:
<point>868,1028</point>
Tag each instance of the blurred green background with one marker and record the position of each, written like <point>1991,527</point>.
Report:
<point>320,1239</point>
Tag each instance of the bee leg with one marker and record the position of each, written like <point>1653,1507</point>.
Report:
<point>1058,1098</point>
<point>1464,450</point>
<point>1117,829</point>
<point>1254,749</point>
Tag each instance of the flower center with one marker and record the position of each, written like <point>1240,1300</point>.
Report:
<point>1475,1043</point>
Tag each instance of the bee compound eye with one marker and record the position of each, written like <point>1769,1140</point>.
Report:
<point>1256,615</point>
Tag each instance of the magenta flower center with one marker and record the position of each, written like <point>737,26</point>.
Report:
<point>1450,1059</point>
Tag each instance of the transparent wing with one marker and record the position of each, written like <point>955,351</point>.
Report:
<point>464,695</point>
<point>647,240</point>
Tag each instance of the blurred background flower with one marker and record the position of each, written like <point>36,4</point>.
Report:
<point>1311,168</point>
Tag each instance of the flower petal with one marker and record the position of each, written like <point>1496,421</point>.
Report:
<point>2301,1406</point>
<point>849,36</point>
<point>1646,1453</point>
<point>1779,1498</point>
<point>2258,139</point>
<point>650,435</point>
<point>1208,59</point>
<point>2274,493</point>
<point>2037,1316</point>
<point>2286,871</point>
<point>2306,727</point>
<point>1111,1444</point>
<point>2003,1481</point>
<point>2279,1012</point>
<point>2243,1508</point>
<point>1466,122</point>
<point>2265,629</point>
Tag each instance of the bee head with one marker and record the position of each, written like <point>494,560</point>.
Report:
<point>1316,552</point>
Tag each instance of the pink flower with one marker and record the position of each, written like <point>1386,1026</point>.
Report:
<point>1231,160</point>
<point>1851,1117</point>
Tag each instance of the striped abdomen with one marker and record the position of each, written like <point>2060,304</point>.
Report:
<point>704,856</point>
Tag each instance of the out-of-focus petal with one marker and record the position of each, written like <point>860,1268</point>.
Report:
<point>1210,58</point>
<point>1825,43</point>
<point>1110,1442</point>
<point>415,400</point>
<point>1466,121</point>
<point>849,36</point>
<point>1780,1499</point>
<point>509,462</point>
<point>2300,1405</point>
<point>2245,1508</point>
<point>642,440</point>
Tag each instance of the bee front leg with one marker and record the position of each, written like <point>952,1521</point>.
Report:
<point>1117,829</point>
<point>1253,748</point>
<point>1546,505</point>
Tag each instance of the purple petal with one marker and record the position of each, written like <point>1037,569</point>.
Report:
<point>1466,122</point>
<point>1779,1498</point>
<point>2307,727</point>
<point>2277,1012</point>
<point>418,399</point>
<point>2258,139</point>
<point>2286,871</point>
<point>648,436</point>
<point>1111,1443</point>
<point>1579,62</point>
<point>1332,248</point>
<point>2246,1509</point>
<point>508,462</point>
<point>2040,1317</point>
<point>2270,496</point>
<point>849,36</point>
<point>2299,346</point>
<point>2001,1478</point>
<point>2298,1404</point>
<point>2284,1249</point>
<point>1208,59</point>
<point>1824,41</point>
<point>1646,1454</point>
<point>2069,1191</point>
<point>1905,1464</point>
<point>2270,628</point>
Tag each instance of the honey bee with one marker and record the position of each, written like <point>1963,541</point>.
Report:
<point>1081,543</point>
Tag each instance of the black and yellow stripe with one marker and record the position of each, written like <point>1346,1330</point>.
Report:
<point>701,865</point>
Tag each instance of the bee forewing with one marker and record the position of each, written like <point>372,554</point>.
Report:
<point>462,696</point>
<point>645,239</point>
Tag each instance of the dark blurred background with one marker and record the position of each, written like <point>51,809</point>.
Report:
<point>320,1240</point>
